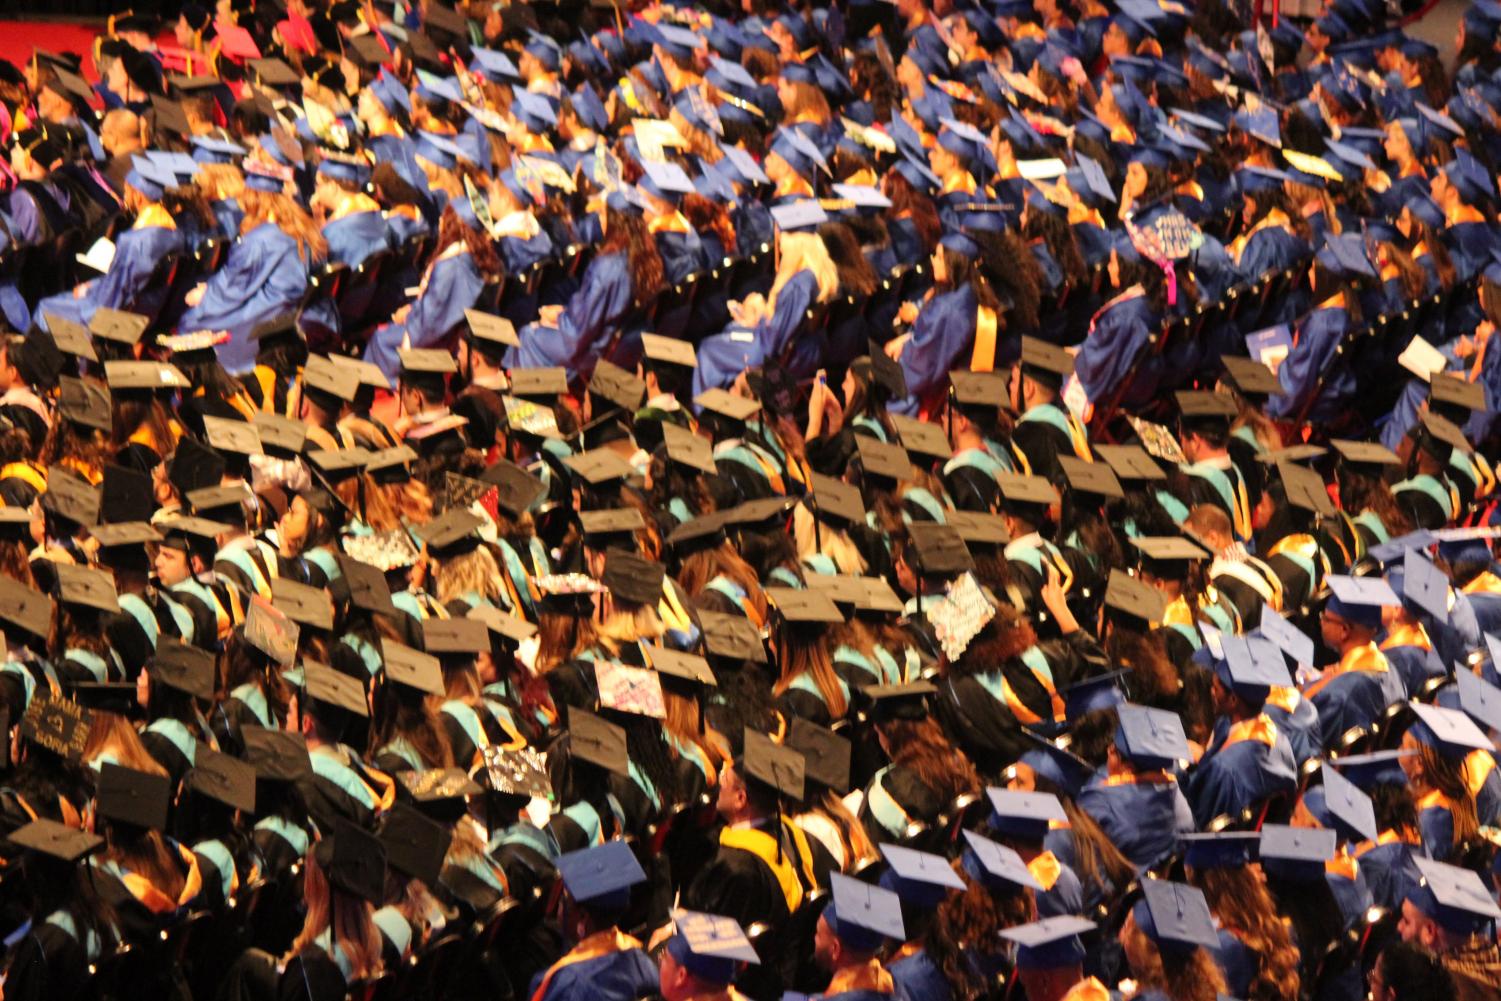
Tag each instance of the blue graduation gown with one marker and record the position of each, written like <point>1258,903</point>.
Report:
<point>725,355</point>
<point>1143,819</point>
<point>399,152</point>
<point>753,225</point>
<point>123,286</point>
<point>453,285</point>
<point>1470,246</point>
<point>1112,351</point>
<point>919,978</point>
<point>228,215</point>
<point>1314,380</point>
<point>355,237</point>
<point>1237,961</point>
<point>520,254</point>
<point>262,277</point>
<point>682,254</point>
<point>615,976</point>
<point>1271,249</point>
<point>586,324</point>
<point>943,330</point>
<point>1354,698</point>
<point>1414,665</point>
<point>1388,871</point>
<point>1300,727</point>
<point>1236,773</point>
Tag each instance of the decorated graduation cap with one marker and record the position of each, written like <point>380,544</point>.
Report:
<point>864,917</point>
<point>710,946</point>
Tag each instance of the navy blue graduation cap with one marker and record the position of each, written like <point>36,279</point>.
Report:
<point>1175,916</point>
<point>1149,738</point>
<point>494,65</point>
<point>1251,666</point>
<point>1220,851</point>
<point>681,42</point>
<point>734,74</point>
<point>864,196</point>
<point>1448,731</point>
<point>1065,770</point>
<point>1350,155</point>
<point>1377,768</point>
<point>1262,124</point>
<point>863,916</point>
<point>1094,178</point>
<point>1341,805</point>
<point>745,165</point>
<point>1138,16</point>
<point>712,947</point>
<point>601,876</point>
<point>1196,120</point>
<point>919,878</point>
<point>1050,944</point>
<point>1025,815</point>
<point>1456,898</point>
<point>1101,692</point>
<point>536,112</point>
<point>1344,254</point>
<point>1424,585</point>
<point>1359,600</point>
<point>1289,638</point>
<point>994,865</point>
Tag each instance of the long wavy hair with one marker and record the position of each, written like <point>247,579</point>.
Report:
<point>804,252</point>
<point>452,230</point>
<point>1447,775</point>
<point>406,715</point>
<point>920,746</point>
<point>626,233</point>
<point>803,653</point>
<point>243,663</point>
<point>1194,977</point>
<point>702,566</point>
<point>1238,896</point>
<point>561,637</point>
<point>474,572</point>
<point>1005,636</point>
<point>288,216</point>
<point>349,918</point>
<point>77,446</point>
<point>131,413</point>
<point>970,923</point>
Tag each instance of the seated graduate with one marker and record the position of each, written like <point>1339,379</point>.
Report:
<point>352,222</point>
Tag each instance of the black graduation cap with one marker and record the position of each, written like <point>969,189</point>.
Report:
<point>761,511</point>
<point>391,465</point>
<point>1457,392</point>
<point>147,375</point>
<point>272,72</point>
<point>463,636</point>
<point>803,606</point>
<point>1250,377</point>
<point>354,861</point>
<point>276,755</point>
<point>335,465</point>
<point>688,449</point>
<point>282,326</point>
<point>732,637</point>
<point>495,330</point>
<point>834,499</point>
<point>543,384</point>
<point>446,19</point>
<point>186,668</point>
<point>71,86</point>
<point>1168,548</point>
<point>415,845</point>
<point>85,402</point>
<point>1203,404</point>
<point>938,550</point>
<point>427,361</point>
<point>1045,362</point>
<point>616,523</point>
<point>337,381</point>
<point>170,117</point>
<point>507,627</point>
<point>306,606</point>
<point>727,404</point>
<point>71,337</point>
<point>366,50</point>
<point>1018,490</point>
<point>86,587</point>
<point>599,466</point>
<point>118,697</point>
<point>225,504</point>
<point>368,588</point>
<point>887,372</point>
<point>907,701</point>
<point>71,496</point>
<point>220,777</point>
<point>59,841</point>
<point>127,495</point>
<point>332,688</point>
<point>703,532</point>
<point>1365,453</point>
<point>25,607</point>
<point>776,767</point>
<point>632,578</point>
<point>516,490</point>
<point>122,327</point>
<point>613,383</point>
<point>132,797</point>
<point>668,351</point>
<point>1305,488</point>
<point>1444,430</point>
<point>1301,452</point>
<point>194,467</point>
<point>232,435</point>
<point>271,632</point>
<point>683,666</point>
<point>597,741</point>
<point>922,438</point>
<point>412,669</point>
<point>883,459</point>
<point>826,755</point>
<point>1091,477</point>
<point>978,389</point>
<point>454,533</point>
<point>1126,594</point>
<point>978,528</point>
<point>60,725</point>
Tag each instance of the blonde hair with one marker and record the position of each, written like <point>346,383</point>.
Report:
<point>291,218</point>
<point>220,180</point>
<point>471,573</point>
<point>832,542</point>
<point>110,733</point>
<point>805,252</point>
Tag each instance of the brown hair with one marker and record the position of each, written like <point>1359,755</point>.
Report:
<point>722,560</point>
<point>1239,899</point>
<point>452,229</point>
<point>973,920</point>
<point>1447,775</point>
<point>799,655</point>
<point>351,923</point>
<point>1195,977</point>
<point>919,745</point>
<point>1005,636</point>
<point>806,100</point>
<point>627,233</point>
<point>710,217</point>
<point>291,218</point>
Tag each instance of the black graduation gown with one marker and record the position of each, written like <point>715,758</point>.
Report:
<point>46,964</point>
<point>1042,443</point>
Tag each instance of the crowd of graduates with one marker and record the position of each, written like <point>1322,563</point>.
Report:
<point>569,501</point>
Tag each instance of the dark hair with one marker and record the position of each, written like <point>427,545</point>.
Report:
<point>856,276</point>
<point>1415,974</point>
<point>626,232</point>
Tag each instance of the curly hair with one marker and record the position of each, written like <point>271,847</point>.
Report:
<point>909,203</point>
<point>971,922</point>
<point>1004,637</point>
<point>452,230</point>
<point>1192,977</point>
<point>1238,897</point>
<point>919,745</point>
<point>710,217</point>
<point>627,233</point>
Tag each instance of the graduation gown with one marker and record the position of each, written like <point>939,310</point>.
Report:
<point>1046,432</point>
<point>1315,381</point>
<point>452,285</point>
<point>606,966</point>
<point>354,236</point>
<point>725,355</point>
<point>1354,692</point>
<point>339,786</point>
<point>125,285</point>
<point>262,277</point>
<point>944,328</point>
<point>586,325</point>
<point>1110,359</point>
<point>1246,763</point>
<point>1142,814</point>
<point>51,960</point>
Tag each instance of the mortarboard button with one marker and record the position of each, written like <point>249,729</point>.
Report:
<point>1175,915</point>
<point>632,578</point>
<point>732,637</point>
<point>228,780</point>
<point>183,667</point>
<point>1091,477</point>
<point>826,755</point>
<point>1127,594</point>
<point>414,844</point>
<point>459,636</point>
<point>59,841</point>
<point>597,741</point>
<point>1150,738</point>
<point>127,796</point>
<point>85,586</point>
<point>306,606</point>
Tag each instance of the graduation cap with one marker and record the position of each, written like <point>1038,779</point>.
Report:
<point>271,632</point>
<point>453,533</point>
<point>1365,453</point>
<point>978,389</point>
<point>616,523</point>
<point>1443,430</point>
<point>86,587</point>
<point>597,741</point>
<point>220,777</point>
<point>1289,638</point>
<point>1251,666</point>
<point>601,876</point>
<point>1175,916</point>
<point>452,635</point>
<point>538,383</point>
<point>687,448</point>
<point>1458,899</point>
<point>334,689</point>
<point>85,402</point>
<point>919,878</point>
<point>883,459</point>
<point>632,578</point>
<point>516,490</point>
<point>1454,391</point>
<point>324,376</point>
<point>1199,404</point>
<point>1125,593</point>
<point>710,946</point>
<point>276,755</point>
<point>1130,462</point>
<point>727,404</point>
<point>922,438</point>
<point>126,495</point>
<point>354,861</point>
<point>1341,801</point>
<point>775,767</point>
<point>507,627</point>
<point>223,504</point>
<point>1449,731</point>
<point>1424,585</point>
<point>1305,488</point>
<point>1250,377</point>
<point>391,465</point>
<point>25,607</point>
<point>732,637</point>
<point>1091,477</point>
<point>150,375</point>
<point>834,499</point>
<point>307,606</point>
<point>368,588</point>
<point>70,496</point>
<point>1047,363</point>
<point>194,467</point>
<point>1359,600</point>
<point>613,383</point>
<point>235,436</point>
<point>127,796</point>
<point>1296,853</point>
<point>864,917</point>
<point>826,755</point>
<point>1024,815</point>
<point>938,549</point>
<point>599,466</point>
<point>796,605</point>
<point>60,725</point>
<point>669,351</point>
<point>55,840</point>
<point>1050,944</point>
<point>518,771</point>
<point>1220,851</point>
<point>1018,490</point>
<point>1168,548</point>
<point>1478,698</point>
<point>995,865</point>
<point>122,327</point>
<point>759,512</point>
<point>414,845</point>
<point>1151,739</point>
<point>186,668</point>
<point>70,337</point>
